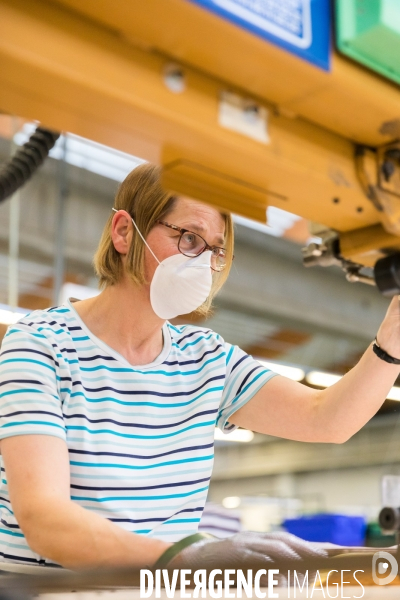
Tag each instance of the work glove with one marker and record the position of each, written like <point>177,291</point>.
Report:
<point>246,547</point>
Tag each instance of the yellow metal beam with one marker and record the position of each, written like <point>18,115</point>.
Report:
<point>365,246</point>
<point>350,100</point>
<point>79,76</point>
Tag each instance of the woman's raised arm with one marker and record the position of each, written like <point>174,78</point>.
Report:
<point>288,409</point>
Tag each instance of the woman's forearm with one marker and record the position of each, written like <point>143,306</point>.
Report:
<point>347,405</point>
<point>76,538</point>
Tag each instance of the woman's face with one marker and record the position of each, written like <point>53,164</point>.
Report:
<point>188,214</point>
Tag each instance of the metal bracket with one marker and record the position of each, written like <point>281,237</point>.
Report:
<point>327,253</point>
<point>378,171</point>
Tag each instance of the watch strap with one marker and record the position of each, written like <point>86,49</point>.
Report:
<point>380,353</point>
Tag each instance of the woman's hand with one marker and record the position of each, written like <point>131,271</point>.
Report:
<point>245,547</point>
<point>388,336</point>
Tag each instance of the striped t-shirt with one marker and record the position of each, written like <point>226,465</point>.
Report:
<point>140,439</point>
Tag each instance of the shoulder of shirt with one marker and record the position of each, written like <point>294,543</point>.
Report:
<point>37,318</point>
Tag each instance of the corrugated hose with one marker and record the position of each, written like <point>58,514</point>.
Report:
<point>25,162</point>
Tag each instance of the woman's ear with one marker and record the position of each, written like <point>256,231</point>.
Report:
<point>121,231</point>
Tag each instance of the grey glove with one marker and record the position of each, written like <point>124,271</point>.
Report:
<point>244,548</point>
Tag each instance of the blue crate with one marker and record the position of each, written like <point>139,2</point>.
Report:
<point>343,530</point>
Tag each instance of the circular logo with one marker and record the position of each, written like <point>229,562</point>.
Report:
<point>384,563</point>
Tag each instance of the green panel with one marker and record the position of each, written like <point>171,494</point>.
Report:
<point>368,31</point>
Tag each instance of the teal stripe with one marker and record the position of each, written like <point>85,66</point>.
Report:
<point>90,348</point>
<point>229,355</point>
<point>141,531</point>
<point>246,387</point>
<point>36,402</point>
<point>17,423</point>
<point>10,532</point>
<point>131,445</point>
<point>46,378</point>
<point>157,404</point>
<point>234,380</point>
<point>105,477</point>
<point>163,383</point>
<point>25,547</point>
<point>13,330</point>
<point>190,503</point>
<point>137,437</point>
<point>28,360</point>
<point>53,331</point>
<point>141,498</point>
<point>24,334</point>
<point>80,405</point>
<point>28,391</point>
<point>223,415</point>
<point>194,343</point>
<point>141,467</point>
<point>70,317</point>
<point>183,521</point>
<point>22,431</point>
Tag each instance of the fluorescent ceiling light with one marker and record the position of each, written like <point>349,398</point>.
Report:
<point>9,317</point>
<point>231,502</point>
<point>280,220</point>
<point>239,435</point>
<point>322,379</point>
<point>294,373</point>
<point>277,221</point>
<point>252,224</point>
<point>394,394</point>
<point>77,292</point>
<point>86,154</point>
<point>325,380</point>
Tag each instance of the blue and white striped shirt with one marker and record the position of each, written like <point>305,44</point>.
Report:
<point>140,439</point>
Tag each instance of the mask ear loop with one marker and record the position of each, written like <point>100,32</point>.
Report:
<point>137,229</point>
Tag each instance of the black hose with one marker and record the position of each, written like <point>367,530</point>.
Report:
<point>26,161</point>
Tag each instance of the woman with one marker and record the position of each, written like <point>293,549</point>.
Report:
<point>108,411</point>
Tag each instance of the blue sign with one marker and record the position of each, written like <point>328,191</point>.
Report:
<point>301,26</point>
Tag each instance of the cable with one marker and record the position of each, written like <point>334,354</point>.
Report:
<point>26,161</point>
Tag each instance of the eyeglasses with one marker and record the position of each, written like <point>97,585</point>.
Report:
<point>192,244</point>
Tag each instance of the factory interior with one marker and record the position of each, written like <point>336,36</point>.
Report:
<point>299,140</point>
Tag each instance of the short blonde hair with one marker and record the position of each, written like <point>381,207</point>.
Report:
<point>143,197</point>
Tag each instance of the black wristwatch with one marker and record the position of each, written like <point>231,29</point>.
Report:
<point>384,355</point>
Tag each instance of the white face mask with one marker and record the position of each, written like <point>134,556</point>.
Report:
<point>180,284</point>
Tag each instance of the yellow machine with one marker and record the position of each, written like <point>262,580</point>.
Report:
<point>233,119</point>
